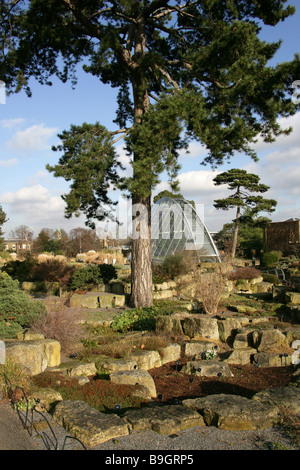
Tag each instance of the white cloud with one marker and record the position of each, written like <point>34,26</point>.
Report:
<point>35,204</point>
<point>124,159</point>
<point>9,123</point>
<point>32,139</point>
<point>283,141</point>
<point>195,150</point>
<point>199,185</point>
<point>284,156</point>
<point>8,163</point>
<point>41,174</point>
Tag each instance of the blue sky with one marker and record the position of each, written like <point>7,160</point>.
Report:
<point>29,127</point>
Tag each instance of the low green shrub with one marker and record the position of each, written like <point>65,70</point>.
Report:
<point>270,258</point>
<point>136,319</point>
<point>91,276</point>
<point>272,278</point>
<point>17,310</point>
<point>175,265</point>
<point>53,270</point>
<point>20,270</point>
<point>160,274</point>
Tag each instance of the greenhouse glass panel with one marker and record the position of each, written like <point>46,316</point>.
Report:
<point>178,227</point>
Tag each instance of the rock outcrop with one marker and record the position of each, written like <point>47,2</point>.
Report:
<point>234,412</point>
<point>88,424</point>
<point>34,355</point>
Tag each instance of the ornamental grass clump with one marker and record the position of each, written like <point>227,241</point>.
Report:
<point>60,323</point>
<point>209,288</point>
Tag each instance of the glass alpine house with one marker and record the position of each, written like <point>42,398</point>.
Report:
<point>177,227</point>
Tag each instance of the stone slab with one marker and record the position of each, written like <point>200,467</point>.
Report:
<point>164,419</point>
<point>88,424</point>
<point>283,397</point>
<point>233,412</point>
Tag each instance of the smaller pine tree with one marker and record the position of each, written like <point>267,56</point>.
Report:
<point>246,187</point>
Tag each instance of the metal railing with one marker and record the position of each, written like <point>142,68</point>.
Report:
<point>277,271</point>
<point>31,424</point>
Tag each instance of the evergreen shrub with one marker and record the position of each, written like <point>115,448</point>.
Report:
<point>270,258</point>
<point>17,309</point>
<point>175,265</point>
<point>91,276</point>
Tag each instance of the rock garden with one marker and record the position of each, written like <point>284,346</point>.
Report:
<point>102,369</point>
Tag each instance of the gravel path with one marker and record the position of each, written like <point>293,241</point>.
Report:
<point>14,437</point>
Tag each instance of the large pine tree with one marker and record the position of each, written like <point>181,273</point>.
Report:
<point>185,70</point>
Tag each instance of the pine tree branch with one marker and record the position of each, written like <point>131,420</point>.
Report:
<point>124,132</point>
<point>91,28</point>
<point>168,77</point>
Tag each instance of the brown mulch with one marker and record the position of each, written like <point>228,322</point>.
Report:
<point>173,386</point>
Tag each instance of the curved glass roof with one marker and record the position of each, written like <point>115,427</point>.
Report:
<point>178,227</point>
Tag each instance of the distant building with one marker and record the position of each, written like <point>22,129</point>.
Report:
<point>17,245</point>
<point>284,236</point>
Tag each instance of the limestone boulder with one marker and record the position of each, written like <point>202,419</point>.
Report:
<point>264,359</point>
<point>170,285</point>
<point>165,419</point>
<point>135,377</point>
<point>94,300</point>
<point>264,287</point>
<point>90,301</point>
<point>147,359</point>
<point>292,334</point>
<point>52,350</point>
<point>197,348</point>
<point>169,323</point>
<point>271,340</point>
<point>233,412</point>
<point>88,424</point>
<point>82,370</point>
<point>210,368</point>
<point>171,353</point>
<point>241,356</point>
<point>34,355</point>
<point>241,341</point>
<point>283,397</point>
<point>46,397</point>
<point>292,297</point>
<point>245,309</point>
<point>75,300</point>
<point>201,328</point>
<point>111,300</point>
<point>27,335</point>
<point>164,294</point>
<point>113,365</point>
<point>227,329</point>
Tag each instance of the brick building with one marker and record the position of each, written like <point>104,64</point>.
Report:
<point>17,245</point>
<point>284,236</point>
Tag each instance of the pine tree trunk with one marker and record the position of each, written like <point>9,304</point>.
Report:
<point>236,232</point>
<point>141,260</point>
<point>141,257</point>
